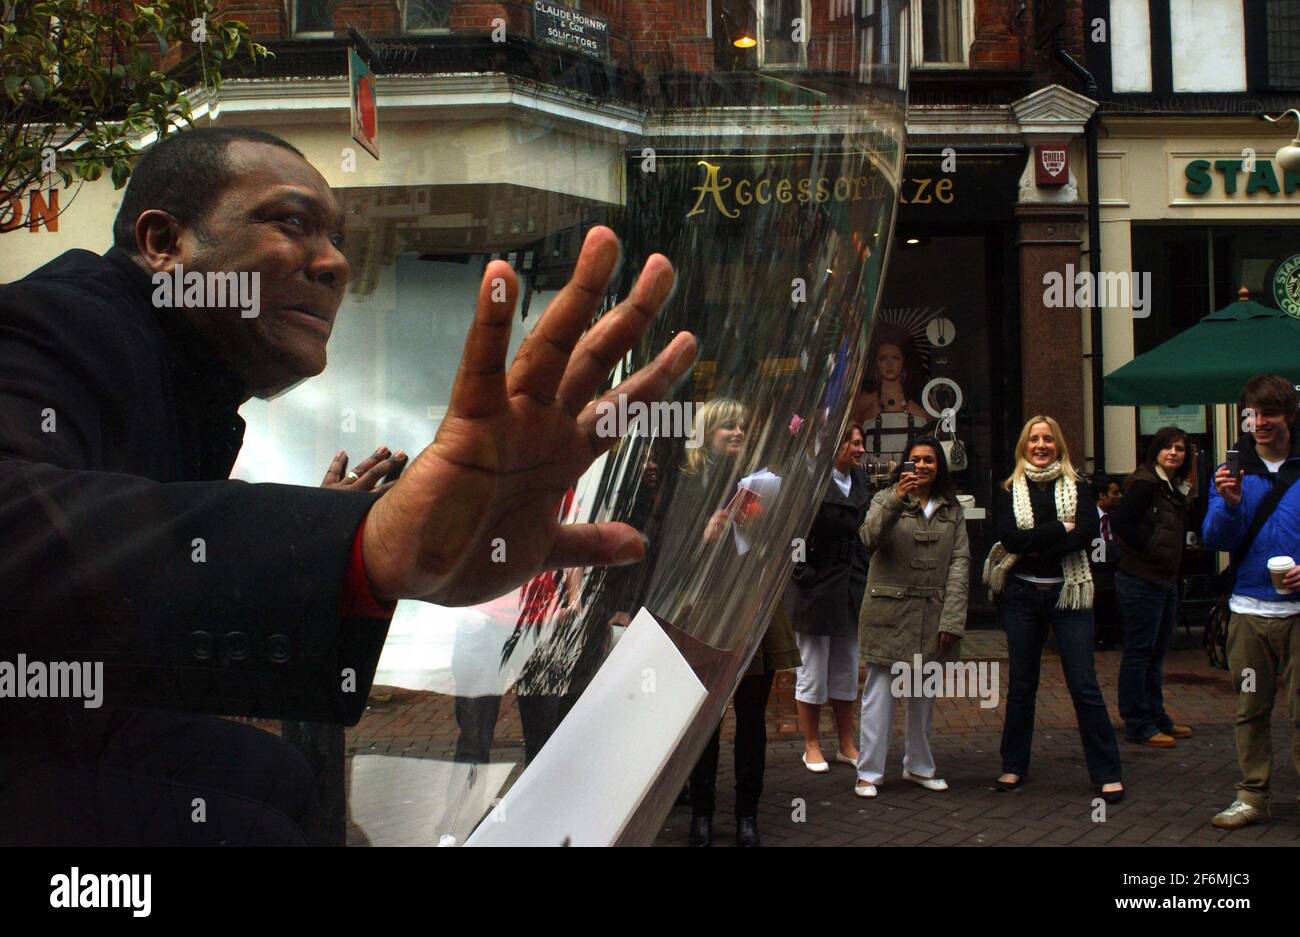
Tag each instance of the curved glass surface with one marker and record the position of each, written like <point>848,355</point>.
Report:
<point>767,173</point>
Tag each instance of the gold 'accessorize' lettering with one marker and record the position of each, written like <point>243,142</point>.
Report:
<point>712,186</point>
<point>730,195</point>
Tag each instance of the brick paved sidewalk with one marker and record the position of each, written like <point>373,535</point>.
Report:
<point>1172,794</point>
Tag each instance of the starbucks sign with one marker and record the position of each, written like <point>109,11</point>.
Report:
<point>1286,285</point>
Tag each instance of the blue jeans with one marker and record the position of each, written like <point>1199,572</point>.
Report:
<point>1027,611</point>
<point>1149,613</point>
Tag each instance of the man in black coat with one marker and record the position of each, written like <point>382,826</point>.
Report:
<point>1103,556</point>
<point>128,549</point>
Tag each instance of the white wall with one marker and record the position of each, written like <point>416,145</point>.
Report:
<point>1130,45</point>
<point>1209,44</point>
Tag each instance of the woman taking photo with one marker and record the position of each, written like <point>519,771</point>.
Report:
<point>827,595</point>
<point>1151,523</point>
<point>1046,522</point>
<point>915,605</point>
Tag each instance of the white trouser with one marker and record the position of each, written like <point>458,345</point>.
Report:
<point>878,717</point>
<point>829,669</point>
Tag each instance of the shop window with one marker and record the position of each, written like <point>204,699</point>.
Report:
<point>1197,269</point>
<point>426,16</point>
<point>1283,26</point>
<point>311,18</point>
<point>943,31</point>
<point>783,33</point>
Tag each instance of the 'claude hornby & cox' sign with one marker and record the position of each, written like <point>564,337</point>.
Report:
<point>570,29</point>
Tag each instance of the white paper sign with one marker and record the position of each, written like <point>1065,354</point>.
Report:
<point>590,777</point>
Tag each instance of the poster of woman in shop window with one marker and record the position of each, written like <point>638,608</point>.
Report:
<point>889,405</point>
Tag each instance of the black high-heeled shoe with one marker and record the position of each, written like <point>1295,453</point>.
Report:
<point>1010,785</point>
<point>701,831</point>
<point>747,831</point>
<point>1111,797</point>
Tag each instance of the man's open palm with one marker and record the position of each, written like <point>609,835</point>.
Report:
<point>476,513</point>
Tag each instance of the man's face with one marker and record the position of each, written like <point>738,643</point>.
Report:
<point>1110,498</point>
<point>277,217</point>
<point>1271,429</point>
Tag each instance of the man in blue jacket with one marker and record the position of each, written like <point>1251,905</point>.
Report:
<point>1264,628</point>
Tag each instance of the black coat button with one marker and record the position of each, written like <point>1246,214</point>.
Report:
<point>236,645</point>
<point>277,648</point>
<point>201,645</point>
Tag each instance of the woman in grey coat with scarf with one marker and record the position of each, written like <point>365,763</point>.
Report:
<point>915,608</point>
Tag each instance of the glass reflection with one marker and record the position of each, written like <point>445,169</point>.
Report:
<point>769,177</point>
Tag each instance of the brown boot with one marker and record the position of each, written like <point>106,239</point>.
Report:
<point>1159,740</point>
<point>1180,732</point>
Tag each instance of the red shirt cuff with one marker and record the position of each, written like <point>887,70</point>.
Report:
<point>358,596</point>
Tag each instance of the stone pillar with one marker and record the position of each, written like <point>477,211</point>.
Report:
<point>1051,341</point>
<point>1053,224</point>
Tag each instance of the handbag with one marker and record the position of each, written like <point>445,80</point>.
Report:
<point>954,451</point>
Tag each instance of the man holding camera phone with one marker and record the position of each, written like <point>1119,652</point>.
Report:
<point>1254,514</point>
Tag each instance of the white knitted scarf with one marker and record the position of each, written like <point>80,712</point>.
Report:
<point>1077,591</point>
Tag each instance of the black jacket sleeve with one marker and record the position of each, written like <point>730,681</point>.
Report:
<point>211,596</point>
<point>1049,540</point>
<point>1128,517</point>
<point>1024,542</point>
<point>1087,527</point>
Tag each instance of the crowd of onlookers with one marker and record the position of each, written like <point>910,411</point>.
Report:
<point>886,577</point>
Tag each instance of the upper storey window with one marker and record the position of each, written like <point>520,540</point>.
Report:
<point>941,35</point>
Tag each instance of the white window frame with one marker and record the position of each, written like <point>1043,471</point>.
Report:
<point>918,42</point>
<point>291,15</point>
<point>866,40</point>
<point>432,31</point>
<point>802,64</point>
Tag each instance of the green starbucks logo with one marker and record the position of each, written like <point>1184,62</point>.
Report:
<point>1286,285</point>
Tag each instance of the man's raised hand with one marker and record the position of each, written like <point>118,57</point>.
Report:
<point>475,514</point>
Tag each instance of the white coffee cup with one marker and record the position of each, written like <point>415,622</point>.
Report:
<point>1278,567</point>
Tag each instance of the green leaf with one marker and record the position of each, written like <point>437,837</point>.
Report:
<point>39,87</point>
<point>98,86</point>
<point>121,172</point>
<point>12,84</point>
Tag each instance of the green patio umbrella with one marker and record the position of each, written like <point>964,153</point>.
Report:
<point>1209,362</point>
